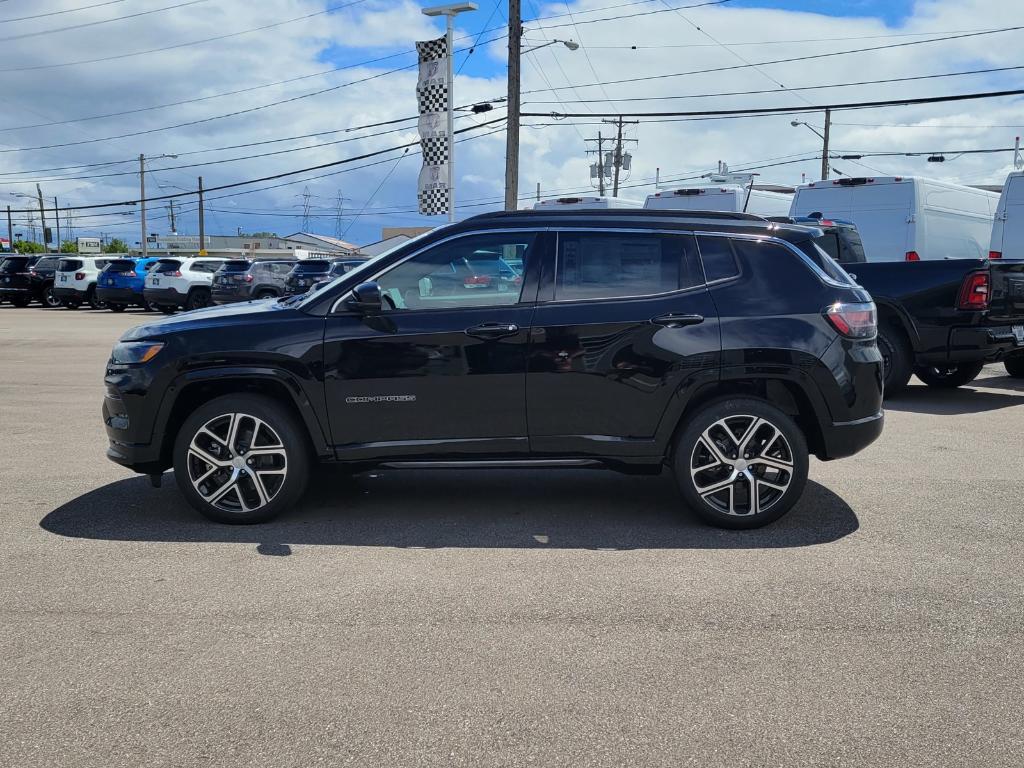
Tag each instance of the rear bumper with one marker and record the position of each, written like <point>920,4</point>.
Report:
<point>972,344</point>
<point>119,296</point>
<point>845,438</point>
<point>74,294</point>
<point>167,297</point>
<point>8,293</point>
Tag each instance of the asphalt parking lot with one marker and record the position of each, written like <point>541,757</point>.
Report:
<point>570,618</point>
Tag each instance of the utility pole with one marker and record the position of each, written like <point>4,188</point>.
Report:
<point>10,230</point>
<point>538,191</point>
<point>42,212</point>
<point>515,36</point>
<point>56,215</point>
<point>202,221</point>
<point>600,162</point>
<point>618,157</point>
<point>824,149</point>
<point>142,202</point>
<point>170,214</point>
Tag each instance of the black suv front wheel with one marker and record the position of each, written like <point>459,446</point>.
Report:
<point>241,459</point>
<point>741,463</point>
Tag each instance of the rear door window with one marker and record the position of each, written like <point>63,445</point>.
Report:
<point>718,258</point>
<point>47,264</point>
<point>592,265</point>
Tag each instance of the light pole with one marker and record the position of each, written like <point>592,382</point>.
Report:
<point>515,54</point>
<point>142,197</point>
<point>822,136</point>
<point>450,11</point>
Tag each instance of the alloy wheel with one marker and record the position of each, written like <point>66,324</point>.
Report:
<point>237,463</point>
<point>50,299</point>
<point>742,465</point>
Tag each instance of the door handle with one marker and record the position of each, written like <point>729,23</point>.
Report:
<point>492,330</point>
<point>673,320</point>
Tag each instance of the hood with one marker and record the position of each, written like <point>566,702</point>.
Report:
<point>208,317</point>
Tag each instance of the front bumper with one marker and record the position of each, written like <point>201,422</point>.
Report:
<point>132,443</point>
<point>118,295</point>
<point>845,438</point>
<point>165,297</point>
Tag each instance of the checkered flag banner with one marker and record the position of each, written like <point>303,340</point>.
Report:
<point>432,100</point>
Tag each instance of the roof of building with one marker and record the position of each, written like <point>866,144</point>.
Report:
<point>331,241</point>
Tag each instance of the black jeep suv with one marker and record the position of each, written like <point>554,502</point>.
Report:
<point>720,345</point>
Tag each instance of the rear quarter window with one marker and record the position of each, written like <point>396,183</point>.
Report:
<point>718,258</point>
<point>824,262</point>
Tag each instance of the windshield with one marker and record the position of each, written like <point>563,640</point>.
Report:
<point>167,265</point>
<point>120,265</point>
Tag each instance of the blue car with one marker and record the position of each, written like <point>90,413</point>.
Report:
<point>120,283</point>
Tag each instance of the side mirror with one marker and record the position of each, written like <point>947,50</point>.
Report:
<point>366,299</point>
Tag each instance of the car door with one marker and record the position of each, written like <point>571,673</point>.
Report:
<point>624,323</point>
<point>442,369</point>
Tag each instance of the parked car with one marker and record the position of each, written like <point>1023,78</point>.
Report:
<point>41,275</point>
<point>903,218</point>
<point>121,283</point>
<point>74,280</point>
<point>243,279</point>
<point>941,320</point>
<point>709,343</point>
<point>16,279</point>
<point>721,197</point>
<point>306,273</point>
<point>173,284</point>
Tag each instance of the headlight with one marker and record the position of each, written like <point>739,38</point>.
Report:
<point>128,352</point>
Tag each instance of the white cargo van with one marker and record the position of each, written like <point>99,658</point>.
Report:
<point>904,218</point>
<point>734,198</point>
<point>1008,228</point>
<point>595,202</point>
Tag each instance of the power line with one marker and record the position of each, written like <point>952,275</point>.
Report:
<point>191,43</point>
<point>789,60</point>
<point>782,42</point>
<point>371,197</point>
<point>801,88</point>
<point>623,16</point>
<point>84,25</point>
<point>59,13</point>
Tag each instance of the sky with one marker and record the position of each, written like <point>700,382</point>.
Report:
<point>242,91</point>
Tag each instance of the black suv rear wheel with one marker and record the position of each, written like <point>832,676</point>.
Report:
<point>949,377</point>
<point>1015,365</point>
<point>241,459</point>
<point>741,463</point>
<point>50,300</point>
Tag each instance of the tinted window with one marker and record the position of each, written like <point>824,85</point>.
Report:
<point>101,263</point>
<point>311,265</point>
<point>444,276</point>
<point>69,265</point>
<point>718,259</point>
<point>121,265</point>
<point>44,264</point>
<point>206,266</point>
<point>851,247</point>
<point>823,261</point>
<point>235,266</point>
<point>167,265</point>
<point>829,243</point>
<point>610,264</point>
<point>14,265</point>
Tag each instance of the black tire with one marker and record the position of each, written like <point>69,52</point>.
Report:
<point>117,307</point>
<point>897,359</point>
<point>266,295</point>
<point>236,481</point>
<point>948,377</point>
<point>49,299</point>
<point>198,299</point>
<point>1015,365</point>
<point>70,304</point>
<point>693,450</point>
<point>167,309</point>
<point>21,301</point>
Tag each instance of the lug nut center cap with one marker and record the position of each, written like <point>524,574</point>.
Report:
<point>741,465</point>
<point>238,462</point>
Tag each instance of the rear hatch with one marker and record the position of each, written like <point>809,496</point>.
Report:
<point>163,274</point>
<point>306,273</point>
<point>67,272</point>
<point>117,274</point>
<point>14,272</point>
<point>232,273</point>
<point>1006,295</point>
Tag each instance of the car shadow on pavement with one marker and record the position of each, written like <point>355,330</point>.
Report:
<point>569,509</point>
<point>971,398</point>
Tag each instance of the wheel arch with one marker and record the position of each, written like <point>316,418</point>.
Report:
<point>190,391</point>
<point>893,316</point>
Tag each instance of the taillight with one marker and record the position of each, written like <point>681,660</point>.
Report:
<point>974,292</point>
<point>248,278</point>
<point>175,273</point>
<point>912,256</point>
<point>855,321</point>
<point>995,254</point>
<point>477,280</point>
<point>79,275</point>
<point>130,274</point>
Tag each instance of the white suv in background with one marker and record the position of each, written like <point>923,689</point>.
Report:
<point>74,280</point>
<point>175,283</point>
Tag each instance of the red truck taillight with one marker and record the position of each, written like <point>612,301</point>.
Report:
<point>974,292</point>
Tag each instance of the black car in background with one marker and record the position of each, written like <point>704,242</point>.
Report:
<point>307,273</point>
<point>42,280</point>
<point>244,279</point>
<point>720,346</point>
<point>16,279</point>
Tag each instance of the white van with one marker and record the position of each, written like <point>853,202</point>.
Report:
<point>904,218</point>
<point>1008,228</point>
<point>592,203</point>
<point>733,198</point>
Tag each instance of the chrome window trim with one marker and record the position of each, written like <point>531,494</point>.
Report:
<point>818,271</point>
<point>535,231</point>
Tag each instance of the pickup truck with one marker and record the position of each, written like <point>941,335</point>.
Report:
<point>942,320</point>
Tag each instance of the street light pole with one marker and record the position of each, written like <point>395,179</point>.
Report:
<point>142,203</point>
<point>42,213</point>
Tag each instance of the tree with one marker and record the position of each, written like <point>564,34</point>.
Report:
<point>28,246</point>
<point>117,245</point>
<point>69,246</point>
<point>258,234</point>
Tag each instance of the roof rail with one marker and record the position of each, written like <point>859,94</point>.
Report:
<point>610,212</point>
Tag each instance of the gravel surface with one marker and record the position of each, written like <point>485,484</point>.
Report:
<point>563,618</point>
